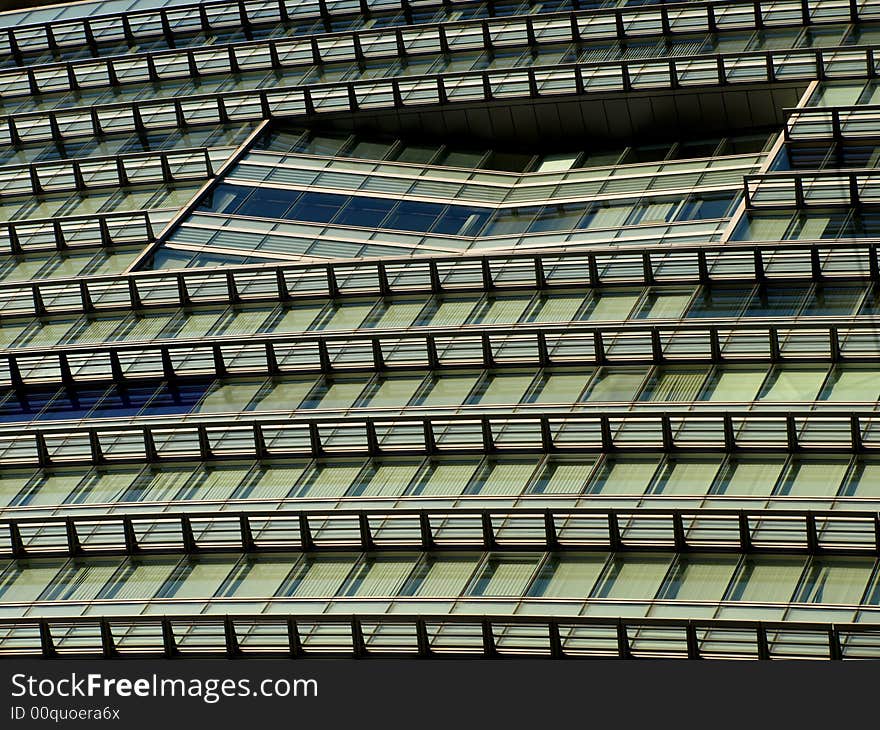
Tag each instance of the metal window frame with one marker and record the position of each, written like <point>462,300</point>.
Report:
<point>544,270</point>
<point>212,439</point>
<point>803,189</point>
<point>436,636</point>
<point>65,76</point>
<point>196,18</point>
<point>482,86</point>
<point>436,349</point>
<point>503,529</point>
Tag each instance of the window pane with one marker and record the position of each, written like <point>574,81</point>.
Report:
<point>379,576</point>
<point>632,577</point>
<point>327,480</point>
<point>443,477</point>
<point>699,578</point>
<point>793,384</point>
<point>624,476</point>
<point>685,477</point>
<point>504,477</point>
<point>765,579</point>
<point>256,577</point>
<point>568,576</point>
<point>615,385</point>
<point>504,575</point>
<point>747,478</point>
<point>317,577</point>
<point>835,580</point>
<point>196,578</point>
<point>440,576</point>
<point>812,479</point>
<point>563,477</point>
<point>852,384</point>
<point>674,385</point>
<point>733,385</point>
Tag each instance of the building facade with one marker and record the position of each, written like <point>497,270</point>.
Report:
<point>433,328</point>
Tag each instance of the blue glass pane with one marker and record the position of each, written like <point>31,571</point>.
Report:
<point>24,407</point>
<point>316,207</point>
<point>412,216</point>
<point>459,220</point>
<point>176,398</point>
<point>224,199</point>
<point>268,203</point>
<point>72,404</point>
<point>365,212</point>
<point>124,401</point>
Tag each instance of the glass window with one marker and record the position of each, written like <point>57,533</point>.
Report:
<point>749,477</point>
<point>730,385</point>
<point>214,482</point>
<point>619,384</point>
<point>364,212</point>
<point>632,577</point>
<point>393,392</point>
<point>812,479</point>
<point>553,308</point>
<point>443,477</point>
<point>138,579</point>
<point>558,387</point>
<point>11,483</point>
<point>283,395</point>
<point>256,577</point>
<point>716,302</point>
<point>447,312</point>
<point>439,576</point>
<point>852,384</point>
<point>502,477</point>
<point>327,480</point>
<point>563,477</point>
<point>394,314</point>
<point>766,579</point>
<point>268,203</point>
<point>48,488</point>
<point>294,319</point>
<point>794,383</point>
<point>777,302</point>
<point>335,393</point>
<point>342,316</point>
<point>383,480</point>
<point>863,480</point>
<point>610,306</point>
<point>316,207</point>
<point>379,576</point>
<point>228,397</point>
<point>498,310</point>
<point>685,477</point>
<point>317,576</point>
<point>500,387</point>
<point>623,476</point>
<point>834,301</point>
<point>448,389</point>
<point>271,482</point>
<point>412,216</point>
<point>699,578</point>
<point>674,385</point>
<point>24,580</point>
<point>504,575</point>
<point>568,576</point>
<point>196,578</point>
<point>835,580</point>
<point>663,305</point>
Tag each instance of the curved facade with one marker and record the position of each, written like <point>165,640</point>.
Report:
<point>428,328</point>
